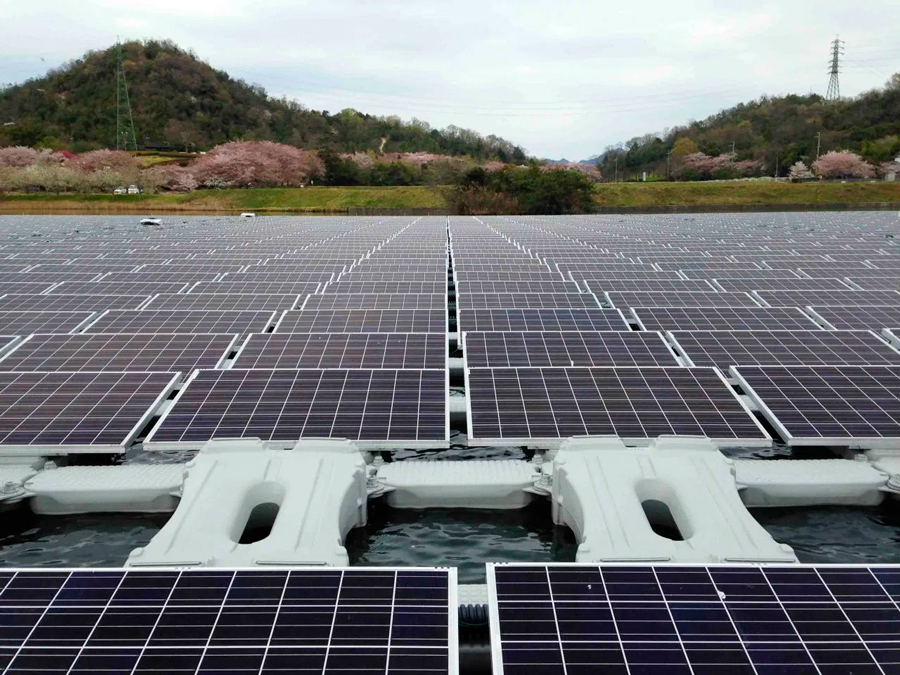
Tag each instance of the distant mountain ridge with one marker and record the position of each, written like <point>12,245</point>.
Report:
<point>774,131</point>
<point>181,102</point>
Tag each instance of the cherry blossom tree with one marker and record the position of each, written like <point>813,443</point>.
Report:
<point>18,156</point>
<point>256,164</point>
<point>107,160</point>
<point>800,171</point>
<point>588,170</point>
<point>842,164</point>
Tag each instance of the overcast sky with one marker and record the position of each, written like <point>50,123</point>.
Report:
<point>563,78</point>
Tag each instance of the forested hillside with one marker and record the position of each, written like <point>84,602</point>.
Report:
<point>771,130</point>
<point>183,103</point>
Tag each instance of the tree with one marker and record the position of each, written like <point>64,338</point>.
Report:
<point>893,84</point>
<point>256,164</point>
<point>842,164</point>
<point>799,171</point>
<point>684,147</point>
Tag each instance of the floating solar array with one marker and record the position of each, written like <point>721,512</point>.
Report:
<point>684,299</point>
<point>851,318</point>
<point>364,321</point>
<point>525,300</point>
<point>70,303</point>
<point>211,302</point>
<point>537,349</point>
<point>269,622</point>
<point>15,322</point>
<point>724,349</point>
<point>694,620</point>
<point>377,301</point>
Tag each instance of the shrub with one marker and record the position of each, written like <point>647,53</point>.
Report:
<point>800,171</point>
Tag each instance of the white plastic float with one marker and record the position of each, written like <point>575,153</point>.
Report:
<point>608,493</point>
<point>12,482</point>
<point>809,482</point>
<point>132,488</point>
<point>306,499</point>
<point>473,484</point>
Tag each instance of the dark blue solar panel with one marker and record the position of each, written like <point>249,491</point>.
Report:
<point>717,620</point>
<point>205,621</point>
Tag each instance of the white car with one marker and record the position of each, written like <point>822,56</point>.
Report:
<point>134,190</point>
<point>120,191</point>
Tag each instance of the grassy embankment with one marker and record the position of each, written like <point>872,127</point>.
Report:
<point>343,199</point>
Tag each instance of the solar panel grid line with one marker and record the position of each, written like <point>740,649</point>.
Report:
<point>364,321</point>
<point>517,406</point>
<point>182,321</point>
<point>624,299</point>
<point>295,620</point>
<point>531,319</point>
<point>685,619</point>
<point>870,317</point>
<point>526,300</point>
<point>845,406</point>
<point>25,323</point>
<point>848,298</point>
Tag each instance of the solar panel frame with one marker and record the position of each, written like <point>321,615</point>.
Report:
<point>168,620</point>
<point>690,618</point>
<point>33,352</point>
<point>376,301</point>
<point>848,298</point>
<point>11,443</point>
<point>854,407</point>
<point>869,317</point>
<point>157,440</point>
<point>535,349</point>
<point>23,323</point>
<point>268,351</point>
<point>596,413</point>
<point>70,303</point>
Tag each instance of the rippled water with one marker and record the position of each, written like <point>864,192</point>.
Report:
<point>462,538</point>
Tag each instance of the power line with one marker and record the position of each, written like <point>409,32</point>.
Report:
<point>834,83</point>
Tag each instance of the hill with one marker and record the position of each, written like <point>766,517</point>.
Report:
<point>771,130</point>
<point>182,103</point>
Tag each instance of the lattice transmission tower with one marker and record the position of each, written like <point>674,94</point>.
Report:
<point>126,139</point>
<point>834,83</point>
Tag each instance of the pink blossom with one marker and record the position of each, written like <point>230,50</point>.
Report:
<point>843,164</point>
<point>111,160</point>
<point>18,156</point>
<point>256,164</point>
<point>589,170</point>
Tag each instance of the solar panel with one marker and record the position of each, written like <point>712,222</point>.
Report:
<point>858,406</point>
<point>762,284</point>
<point>265,621</point>
<point>760,347</point>
<point>182,352</point>
<point>876,282</point>
<point>523,300</point>
<point>722,318</point>
<point>585,619</point>
<point>377,301</point>
<point>505,320</point>
<point>144,288</point>
<point>383,408</point>
<point>221,301</point>
<point>833,298</point>
<point>404,287</point>
<point>181,321</point>
<point>850,318</point>
<point>656,285</point>
<point>515,405</point>
<point>159,277</point>
<point>13,322</point>
<point>25,287</point>
<point>516,287</point>
<point>536,349</point>
<point>70,303</point>
<point>364,321</point>
<point>256,287</point>
<point>650,299</point>
<point>343,350</point>
<point>77,412</point>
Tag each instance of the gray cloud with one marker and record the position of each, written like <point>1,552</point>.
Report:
<point>561,77</point>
